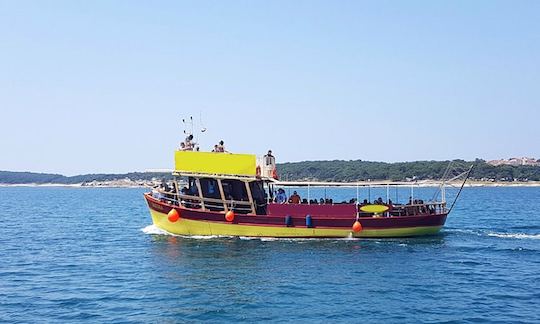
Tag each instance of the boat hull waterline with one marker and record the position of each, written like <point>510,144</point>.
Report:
<point>205,223</point>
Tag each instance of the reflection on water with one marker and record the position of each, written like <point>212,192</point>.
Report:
<point>228,250</point>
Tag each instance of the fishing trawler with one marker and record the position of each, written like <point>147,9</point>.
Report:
<point>222,194</point>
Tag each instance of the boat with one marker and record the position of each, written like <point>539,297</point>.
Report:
<point>223,194</point>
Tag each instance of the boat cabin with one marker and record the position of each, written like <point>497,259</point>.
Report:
<point>222,182</point>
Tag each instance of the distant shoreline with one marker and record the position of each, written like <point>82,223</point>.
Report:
<point>337,171</point>
<point>469,184</point>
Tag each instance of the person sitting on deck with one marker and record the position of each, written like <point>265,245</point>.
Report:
<point>281,196</point>
<point>295,198</point>
<point>422,209</point>
<point>164,186</point>
<point>182,146</point>
<point>220,147</point>
<point>155,192</point>
<point>189,143</point>
<point>215,148</point>
<point>184,192</point>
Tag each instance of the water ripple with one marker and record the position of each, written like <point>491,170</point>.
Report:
<point>89,255</point>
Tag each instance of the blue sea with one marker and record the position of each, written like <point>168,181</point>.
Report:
<point>70,255</point>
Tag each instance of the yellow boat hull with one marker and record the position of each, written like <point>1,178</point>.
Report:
<point>190,227</point>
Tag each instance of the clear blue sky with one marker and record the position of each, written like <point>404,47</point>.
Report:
<point>102,86</point>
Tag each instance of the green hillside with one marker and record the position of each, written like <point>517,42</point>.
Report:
<point>7,177</point>
<point>421,170</point>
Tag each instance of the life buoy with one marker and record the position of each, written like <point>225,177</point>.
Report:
<point>229,216</point>
<point>357,227</point>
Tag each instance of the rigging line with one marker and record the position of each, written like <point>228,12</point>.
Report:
<point>461,189</point>
<point>443,180</point>
<point>459,175</point>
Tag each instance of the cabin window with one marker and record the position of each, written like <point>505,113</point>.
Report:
<point>234,190</point>
<point>257,192</point>
<point>192,187</point>
<point>210,188</point>
<point>259,196</point>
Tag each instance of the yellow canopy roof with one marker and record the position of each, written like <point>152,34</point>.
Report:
<point>215,163</point>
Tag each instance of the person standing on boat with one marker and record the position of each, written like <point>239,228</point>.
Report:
<point>269,167</point>
<point>269,159</point>
<point>269,164</point>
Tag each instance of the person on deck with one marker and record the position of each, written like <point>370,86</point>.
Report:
<point>221,147</point>
<point>269,159</point>
<point>189,143</point>
<point>295,198</point>
<point>281,196</point>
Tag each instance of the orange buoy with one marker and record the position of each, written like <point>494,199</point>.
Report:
<point>229,216</point>
<point>357,227</point>
<point>173,215</point>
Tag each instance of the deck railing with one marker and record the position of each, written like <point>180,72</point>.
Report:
<point>204,203</point>
<point>414,209</point>
<point>245,207</point>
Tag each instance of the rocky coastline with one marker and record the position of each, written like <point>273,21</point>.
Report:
<point>128,183</point>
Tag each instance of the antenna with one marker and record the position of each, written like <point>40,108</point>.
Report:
<point>203,129</point>
<point>186,124</point>
<point>189,127</point>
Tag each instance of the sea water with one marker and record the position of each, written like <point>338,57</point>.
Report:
<point>92,255</point>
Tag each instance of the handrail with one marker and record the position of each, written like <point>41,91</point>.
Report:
<point>196,200</point>
<point>212,200</point>
<point>179,173</point>
<point>205,199</point>
<point>240,205</point>
<point>355,184</point>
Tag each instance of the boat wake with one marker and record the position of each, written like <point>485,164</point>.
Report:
<point>154,230</point>
<point>516,235</point>
<point>520,236</point>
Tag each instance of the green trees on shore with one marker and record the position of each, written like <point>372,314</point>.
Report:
<point>420,170</point>
<point>7,177</point>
